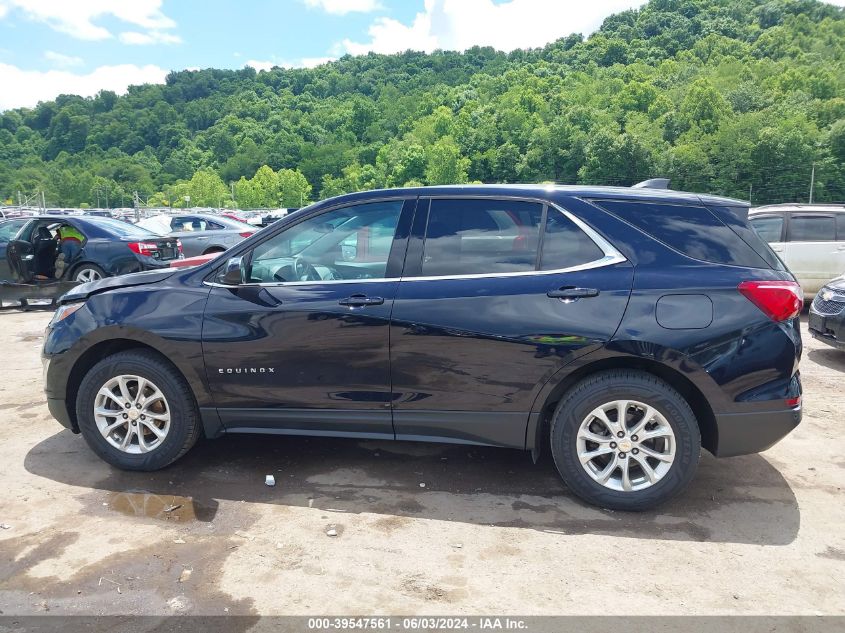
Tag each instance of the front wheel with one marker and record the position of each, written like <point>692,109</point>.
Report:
<point>136,411</point>
<point>625,440</point>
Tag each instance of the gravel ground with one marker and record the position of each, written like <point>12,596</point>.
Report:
<point>424,529</point>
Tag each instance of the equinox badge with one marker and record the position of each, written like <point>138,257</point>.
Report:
<point>247,370</point>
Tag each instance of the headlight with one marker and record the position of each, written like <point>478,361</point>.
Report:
<point>65,311</point>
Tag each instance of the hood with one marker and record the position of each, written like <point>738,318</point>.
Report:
<point>836,284</point>
<point>83,291</point>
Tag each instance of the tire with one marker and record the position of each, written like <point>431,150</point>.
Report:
<point>88,270</point>
<point>673,425</point>
<point>182,429</point>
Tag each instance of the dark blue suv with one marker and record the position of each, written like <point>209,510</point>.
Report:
<point>621,328</point>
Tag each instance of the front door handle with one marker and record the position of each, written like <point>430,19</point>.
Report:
<point>572,293</point>
<point>357,301</point>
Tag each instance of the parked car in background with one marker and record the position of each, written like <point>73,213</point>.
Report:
<point>810,239</point>
<point>193,261</point>
<point>200,233</point>
<point>827,314</point>
<point>105,247</point>
<point>623,328</point>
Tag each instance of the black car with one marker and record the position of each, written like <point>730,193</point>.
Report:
<point>827,314</point>
<point>108,247</point>
<point>622,328</point>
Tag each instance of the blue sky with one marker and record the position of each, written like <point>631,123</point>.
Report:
<point>48,47</point>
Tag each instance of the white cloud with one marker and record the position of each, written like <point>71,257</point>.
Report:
<point>77,17</point>
<point>62,61</point>
<point>311,62</point>
<point>304,62</point>
<point>150,37</point>
<point>461,24</point>
<point>261,65</point>
<point>32,86</point>
<point>342,7</point>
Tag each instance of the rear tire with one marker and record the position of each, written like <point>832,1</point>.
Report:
<point>653,459</point>
<point>162,419</point>
<point>88,272</point>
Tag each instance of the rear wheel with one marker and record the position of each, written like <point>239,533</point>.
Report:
<point>88,272</point>
<point>136,411</point>
<point>625,440</point>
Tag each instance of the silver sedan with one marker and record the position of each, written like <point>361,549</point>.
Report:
<point>199,233</point>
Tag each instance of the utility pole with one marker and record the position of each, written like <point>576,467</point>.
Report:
<point>750,189</point>
<point>43,201</point>
<point>234,202</point>
<point>812,182</point>
<point>137,203</point>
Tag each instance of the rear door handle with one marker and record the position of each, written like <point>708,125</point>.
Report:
<point>357,301</point>
<point>570,292</point>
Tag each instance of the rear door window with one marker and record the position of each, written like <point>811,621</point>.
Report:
<point>811,228</point>
<point>565,245</point>
<point>492,236</point>
<point>193,223</point>
<point>768,227</point>
<point>840,227</point>
<point>688,229</point>
<point>472,237</point>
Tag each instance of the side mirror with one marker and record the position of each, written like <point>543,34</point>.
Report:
<point>233,272</point>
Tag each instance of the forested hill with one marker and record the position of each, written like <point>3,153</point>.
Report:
<point>737,97</point>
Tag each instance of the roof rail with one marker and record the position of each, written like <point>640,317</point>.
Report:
<point>652,183</point>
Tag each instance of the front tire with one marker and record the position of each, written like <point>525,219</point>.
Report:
<point>136,411</point>
<point>625,440</point>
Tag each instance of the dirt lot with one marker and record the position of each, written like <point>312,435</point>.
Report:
<point>488,533</point>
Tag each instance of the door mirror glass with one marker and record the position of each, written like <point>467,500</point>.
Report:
<point>233,272</point>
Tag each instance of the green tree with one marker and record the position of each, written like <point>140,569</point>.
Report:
<point>444,163</point>
<point>294,188</point>
<point>207,189</point>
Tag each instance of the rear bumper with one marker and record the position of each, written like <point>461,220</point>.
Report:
<point>745,433</point>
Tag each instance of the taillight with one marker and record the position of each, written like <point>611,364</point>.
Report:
<point>246,233</point>
<point>143,248</point>
<point>179,246</point>
<point>779,300</point>
<point>793,402</point>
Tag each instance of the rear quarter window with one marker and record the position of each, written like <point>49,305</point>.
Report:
<point>688,229</point>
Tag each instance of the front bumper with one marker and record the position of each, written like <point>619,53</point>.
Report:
<point>746,433</point>
<point>828,328</point>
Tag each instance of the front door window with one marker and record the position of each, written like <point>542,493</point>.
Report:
<point>345,244</point>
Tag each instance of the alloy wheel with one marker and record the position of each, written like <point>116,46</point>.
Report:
<point>88,274</point>
<point>626,445</point>
<point>132,414</point>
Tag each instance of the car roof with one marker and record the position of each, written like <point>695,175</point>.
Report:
<point>547,191</point>
<point>799,208</point>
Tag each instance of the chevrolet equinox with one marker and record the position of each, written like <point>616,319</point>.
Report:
<point>621,328</point>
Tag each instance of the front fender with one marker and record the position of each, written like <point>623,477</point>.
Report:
<point>168,320</point>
